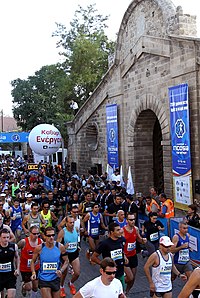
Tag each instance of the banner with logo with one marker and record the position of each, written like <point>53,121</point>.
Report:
<point>14,137</point>
<point>112,135</point>
<point>48,183</point>
<point>180,139</point>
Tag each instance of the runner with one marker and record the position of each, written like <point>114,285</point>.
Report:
<point>93,221</point>
<point>27,247</point>
<point>33,219</point>
<point>112,247</point>
<point>192,286</point>
<point>4,226</point>
<point>50,271</point>
<point>16,219</point>
<point>162,266</point>
<point>131,234</point>
<point>9,264</point>
<point>181,250</point>
<point>70,236</point>
<point>105,285</point>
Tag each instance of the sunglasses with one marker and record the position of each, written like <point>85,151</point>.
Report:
<point>110,273</point>
<point>131,219</point>
<point>52,235</point>
<point>35,233</point>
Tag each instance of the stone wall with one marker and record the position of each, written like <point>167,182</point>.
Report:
<point>156,49</point>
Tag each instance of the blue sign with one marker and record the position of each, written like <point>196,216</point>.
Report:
<point>112,135</point>
<point>194,240</point>
<point>48,183</point>
<point>14,137</point>
<point>180,130</point>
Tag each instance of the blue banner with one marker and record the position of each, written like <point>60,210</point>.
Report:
<point>112,136</point>
<point>180,139</point>
<point>180,129</point>
<point>14,137</point>
<point>194,239</point>
<point>48,183</point>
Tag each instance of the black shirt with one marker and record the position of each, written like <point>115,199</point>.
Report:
<point>152,231</point>
<point>115,250</point>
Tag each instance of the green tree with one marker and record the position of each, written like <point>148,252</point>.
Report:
<point>86,49</point>
<point>41,98</point>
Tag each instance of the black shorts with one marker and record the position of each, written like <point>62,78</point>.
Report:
<point>26,276</point>
<point>7,281</point>
<point>161,294</point>
<point>133,261</point>
<point>73,255</point>
<point>96,237</point>
<point>54,285</point>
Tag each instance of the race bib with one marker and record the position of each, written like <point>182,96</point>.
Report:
<point>183,256</point>
<point>116,254</point>
<point>35,224</point>
<point>72,245</point>
<point>49,267</point>
<point>166,270</point>
<point>88,209</point>
<point>94,231</point>
<point>5,267</point>
<point>131,246</point>
<point>154,237</point>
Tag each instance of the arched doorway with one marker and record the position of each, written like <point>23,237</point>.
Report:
<point>148,153</point>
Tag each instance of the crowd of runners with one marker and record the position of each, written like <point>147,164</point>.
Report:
<point>41,233</point>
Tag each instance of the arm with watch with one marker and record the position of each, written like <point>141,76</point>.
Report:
<point>178,274</point>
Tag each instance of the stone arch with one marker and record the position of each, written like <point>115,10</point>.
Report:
<point>149,125</point>
<point>168,11</point>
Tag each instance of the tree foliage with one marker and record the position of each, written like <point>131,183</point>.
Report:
<point>46,96</point>
<point>86,49</point>
<point>41,98</point>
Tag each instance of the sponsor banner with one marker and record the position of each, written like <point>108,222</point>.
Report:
<point>180,140</point>
<point>48,183</point>
<point>194,239</point>
<point>112,135</point>
<point>32,166</point>
<point>14,137</point>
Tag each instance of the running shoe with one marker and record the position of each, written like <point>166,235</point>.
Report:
<point>62,293</point>
<point>72,288</point>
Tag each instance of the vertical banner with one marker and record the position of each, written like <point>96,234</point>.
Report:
<point>180,138</point>
<point>112,135</point>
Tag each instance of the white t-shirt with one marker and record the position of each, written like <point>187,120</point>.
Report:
<point>96,289</point>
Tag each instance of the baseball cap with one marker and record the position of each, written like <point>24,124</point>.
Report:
<point>166,241</point>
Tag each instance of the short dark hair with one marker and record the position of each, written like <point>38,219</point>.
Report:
<point>193,207</point>
<point>45,202</point>
<point>34,205</point>
<point>107,262</point>
<point>33,227</point>
<point>151,214</point>
<point>5,231</point>
<point>112,226</point>
<point>48,229</point>
<point>163,195</point>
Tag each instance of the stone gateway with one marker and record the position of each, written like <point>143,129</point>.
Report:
<point>157,48</point>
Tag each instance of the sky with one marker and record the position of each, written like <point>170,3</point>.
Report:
<point>26,28</point>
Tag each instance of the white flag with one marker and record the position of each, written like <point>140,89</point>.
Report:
<point>121,177</point>
<point>130,187</point>
<point>109,171</point>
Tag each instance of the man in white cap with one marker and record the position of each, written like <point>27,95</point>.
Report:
<point>162,266</point>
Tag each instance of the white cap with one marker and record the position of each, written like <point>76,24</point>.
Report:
<point>166,241</point>
<point>29,195</point>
